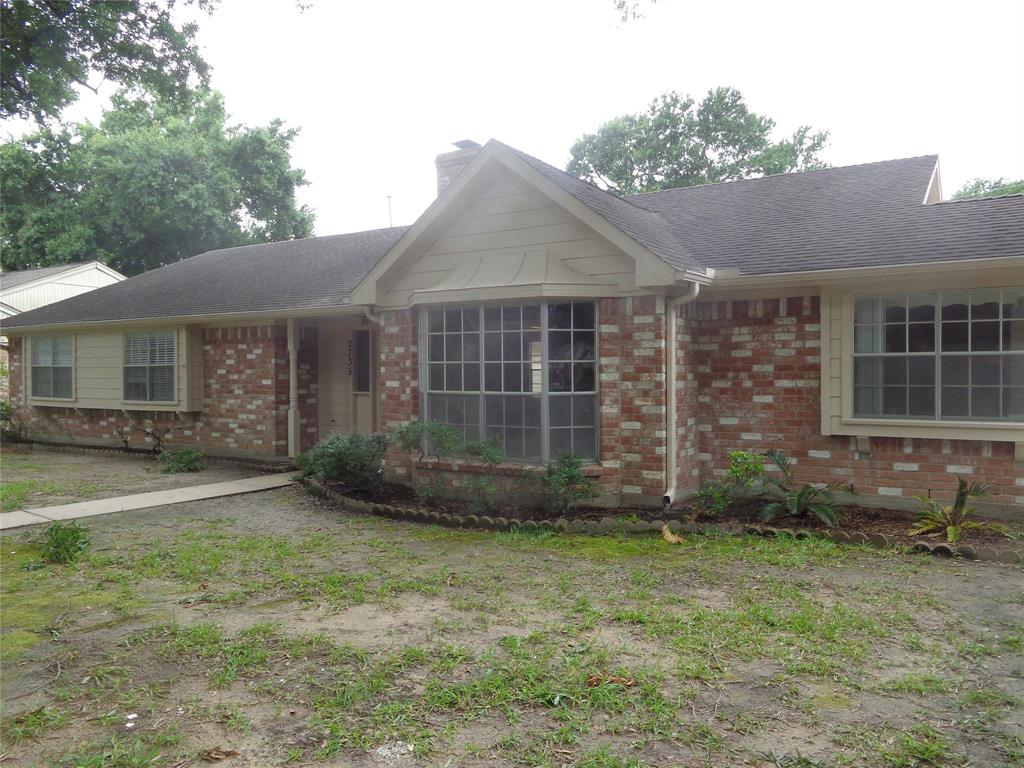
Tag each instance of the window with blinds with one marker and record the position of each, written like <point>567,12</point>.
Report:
<point>149,367</point>
<point>53,361</point>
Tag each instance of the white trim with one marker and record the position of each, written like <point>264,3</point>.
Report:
<point>55,401</point>
<point>934,183</point>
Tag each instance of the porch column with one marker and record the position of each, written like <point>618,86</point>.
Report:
<point>293,387</point>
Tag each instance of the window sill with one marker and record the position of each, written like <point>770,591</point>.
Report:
<point>51,400</point>
<point>998,431</point>
<point>505,468</point>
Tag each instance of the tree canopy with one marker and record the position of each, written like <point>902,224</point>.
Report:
<point>49,46</point>
<point>679,142</point>
<point>989,188</point>
<point>156,181</point>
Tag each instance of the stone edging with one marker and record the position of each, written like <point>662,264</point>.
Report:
<point>610,525</point>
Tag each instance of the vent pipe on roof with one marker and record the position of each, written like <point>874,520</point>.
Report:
<point>451,164</point>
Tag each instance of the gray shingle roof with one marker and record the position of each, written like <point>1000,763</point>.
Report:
<point>9,280</point>
<point>855,216</point>
<point>314,273</point>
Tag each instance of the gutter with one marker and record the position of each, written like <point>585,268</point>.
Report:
<point>671,417</point>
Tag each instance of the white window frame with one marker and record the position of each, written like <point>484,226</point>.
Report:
<point>33,341</point>
<point>545,392</point>
<point>173,365</point>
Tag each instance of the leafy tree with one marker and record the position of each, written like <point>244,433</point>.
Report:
<point>156,181</point>
<point>49,46</point>
<point>679,142</point>
<point>989,188</point>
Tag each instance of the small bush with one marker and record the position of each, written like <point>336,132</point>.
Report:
<point>182,460</point>
<point>954,520</point>
<point>11,428</point>
<point>482,494</point>
<point>800,501</point>
<point>489,451</point>
<point>430,493</point>
<point>427,437</point>
<point>713,497</point>
<point>62,543</point>
<point>745,469</point>
<point>351,459</point>
<point>566,484</point>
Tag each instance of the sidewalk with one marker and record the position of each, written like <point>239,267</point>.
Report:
<point>22,517</point>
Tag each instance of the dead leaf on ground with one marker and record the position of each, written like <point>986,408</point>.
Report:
<point>595,680</point>
<point>216,754</point>
<point>667,535</point>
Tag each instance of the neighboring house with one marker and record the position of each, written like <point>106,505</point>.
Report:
<point>28,289</point>
<point>847,316</point>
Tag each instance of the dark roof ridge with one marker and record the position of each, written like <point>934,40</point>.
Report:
<point>786,173</point>
<point>961,200</point>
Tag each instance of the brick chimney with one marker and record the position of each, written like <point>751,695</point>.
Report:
<point>451,164</point>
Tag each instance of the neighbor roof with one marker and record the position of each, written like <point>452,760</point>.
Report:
<point>9,280</point>
<point>836,218</point>
<point>313,273</point>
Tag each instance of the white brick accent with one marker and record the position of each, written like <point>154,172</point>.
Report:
<point>635,489</point>
<point>750,436</point>
<point>890,491</point>
<point>727,420</point>
<point>764,398</point>
<point>959,469</point>
<point>820,454</point>
<point>904,466</point>
<point>630,425</point>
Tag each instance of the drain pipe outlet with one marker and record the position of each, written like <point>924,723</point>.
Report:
<point>671,322</point>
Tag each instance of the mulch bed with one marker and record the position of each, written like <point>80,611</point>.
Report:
<point>893,524</point>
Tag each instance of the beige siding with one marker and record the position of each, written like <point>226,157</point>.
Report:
<point>510,217</point>
<point>98,373</point>
<point>335,391</point>
<point>57,288</point>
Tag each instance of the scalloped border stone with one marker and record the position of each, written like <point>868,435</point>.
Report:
<point>609,525</point>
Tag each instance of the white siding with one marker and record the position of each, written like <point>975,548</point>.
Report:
<point>57,288</point>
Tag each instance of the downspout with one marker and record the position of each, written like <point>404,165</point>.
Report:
<point>293,387</point>
<point>671,321</point>
<point>370,316</point>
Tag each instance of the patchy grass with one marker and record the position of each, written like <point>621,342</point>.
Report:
<point>303,636</point>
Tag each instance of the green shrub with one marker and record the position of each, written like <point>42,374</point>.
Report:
<point>430,493</point>
<point>427,437</point>
<point>351,459</point>
<point>954,520</point>
<point>745,468</point>
<point>800,501</point>
<point>182,460</point>
<point>489,451</point>
<point>482,493</point>
<point>11,428</point>
<point>63,542</point>
<point>566,484</point>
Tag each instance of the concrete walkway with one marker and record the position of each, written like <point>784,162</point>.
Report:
<point>79,509</point>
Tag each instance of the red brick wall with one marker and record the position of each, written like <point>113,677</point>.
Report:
<point>398,382</point>
<point>758,371</point>
<point>244,408</point>
<point>309,388</point>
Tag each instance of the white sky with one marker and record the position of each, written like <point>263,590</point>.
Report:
<point>380,88</point>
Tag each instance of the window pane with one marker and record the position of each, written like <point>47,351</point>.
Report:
<point>362,362</point>
<point>583,315</point>
<point>492,377</point>
<point>583,410</point>
<point>865,310</point>
<point>559,345</point>
<point>985,304</point>
<point>894,401</point>
<point>62,382</point>
<point>531,411</point>
<point>1013,302</point>
<point>161,349</point>
<point>984,402</point>
<point>866,401</point>
<point>895,338</point>
<point>471,377</point>
<point>436,377</point>
<point>512,347</point>
<point>1013,335</point>
<point>513,377</point>
<point>865,338</point>
<point>471,347</point>
<point>560,377</point>
<point>471,410</point>
<point>136,349</point>
<point>136,383</point>
<point>955,370</point>
<point>435,346</point>
<point>63,352</point>
<point>531,317</point>
<point>435,321</point>
<point>583,345</point>
<point>921,337</point>
<point>453,320</point>
<point>455,411</point>
<point>560,412</point>
<point>559,315</point>
<point>561,442</point>
<point>583,442</point>
<point>894,371</point>
<point>531,445</point>
<point>435,407</point>
<point>894,309</point>
<point>452,377</point>
<point>954,306</point>
<point>921,401</point>
<point>452,347</point>
<point>1013,370</point>
<point>494,411</point>
<point>1013,402</point>
<point>492,346</point>
<point>513,411</point>
<point>514,443</point>
<point>921,307</point>
<point>954,337</point>
<point>867,370</point>
<point>42,350</point>
<point>583,377</point>
<point>161,382</point>
<point>984,336</point>
<point>984,370</point>
<point>471,319</point>
<point>492,318</point>
<point>954,402</point>
<point>511,318</point>
<point>42,381</point>
<point>921,371</point>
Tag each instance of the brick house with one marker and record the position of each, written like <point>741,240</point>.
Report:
<point>848,316</point>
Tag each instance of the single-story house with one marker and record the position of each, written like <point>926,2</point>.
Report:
<point>26,289</point>
<point>848,316</point>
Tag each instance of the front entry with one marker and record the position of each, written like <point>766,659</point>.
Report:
<point>346,379</point>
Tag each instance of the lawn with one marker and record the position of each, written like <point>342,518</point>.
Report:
<point>295,634</point>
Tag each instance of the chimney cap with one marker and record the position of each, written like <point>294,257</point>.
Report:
<point>466,144</point>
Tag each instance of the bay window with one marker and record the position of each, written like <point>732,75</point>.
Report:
<point>53,360</point>
<point>523,373</point>
<point>947,356</point>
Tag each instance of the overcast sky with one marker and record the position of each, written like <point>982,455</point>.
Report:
<point>380,88</point>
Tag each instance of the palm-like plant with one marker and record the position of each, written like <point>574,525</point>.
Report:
<point>800,501</point>
<point>954,519</point>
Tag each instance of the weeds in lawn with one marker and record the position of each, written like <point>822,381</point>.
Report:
<point>62,543</point>
<point>182,460</point>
